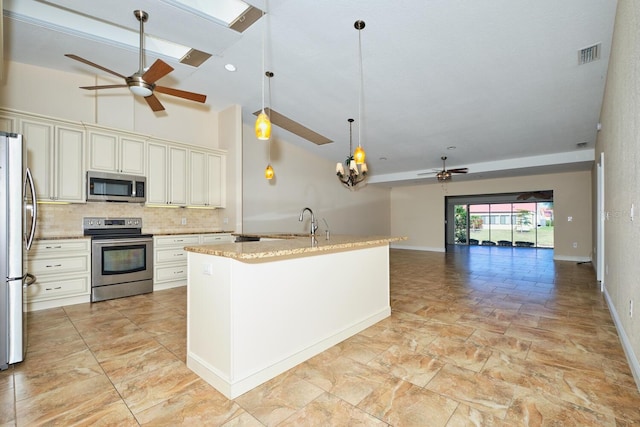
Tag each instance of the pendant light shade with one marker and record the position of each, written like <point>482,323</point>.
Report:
<point>263,126</point>
<point>359,155</point>
<point>268,172</point>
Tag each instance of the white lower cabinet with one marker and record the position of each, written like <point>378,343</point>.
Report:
<point>170,258</point>
<point>63,272</point>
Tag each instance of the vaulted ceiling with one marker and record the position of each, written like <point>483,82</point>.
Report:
<point>494,85</point>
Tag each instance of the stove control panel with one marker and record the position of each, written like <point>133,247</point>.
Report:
<point>99,223</point>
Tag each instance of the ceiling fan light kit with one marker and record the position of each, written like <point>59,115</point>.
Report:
<point>142,82</point>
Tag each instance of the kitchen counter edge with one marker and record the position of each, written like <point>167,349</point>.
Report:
<point>290,246</point>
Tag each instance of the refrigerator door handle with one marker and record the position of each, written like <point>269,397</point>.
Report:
<point>29,279</point>
<point>33,207</point>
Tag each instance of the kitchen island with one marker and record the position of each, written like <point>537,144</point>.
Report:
<point>257,309</point>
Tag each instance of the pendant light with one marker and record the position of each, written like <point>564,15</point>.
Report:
<point>268,172</point>
<point>263,123</point>
<point>356,173</point>
<point>355,162</point>
<point>359,155</point>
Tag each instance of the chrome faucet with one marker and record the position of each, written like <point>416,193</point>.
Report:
<point>314,225</point>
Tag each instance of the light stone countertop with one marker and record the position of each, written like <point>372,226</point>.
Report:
<point>290,245</point>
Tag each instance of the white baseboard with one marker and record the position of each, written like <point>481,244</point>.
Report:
<point>416,248</point>
<point>634,364</point>
<point>571,258</point>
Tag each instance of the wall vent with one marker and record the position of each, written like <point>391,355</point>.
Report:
<point>589,54</point>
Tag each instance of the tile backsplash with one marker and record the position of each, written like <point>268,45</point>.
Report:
<point>66,220</point>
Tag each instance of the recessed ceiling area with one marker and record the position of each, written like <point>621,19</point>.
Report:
<point>501,81</point>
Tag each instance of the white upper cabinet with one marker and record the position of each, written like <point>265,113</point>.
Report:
<point>59,153</point>
<point>116,152</point>
<point>206,179</point>
<point>167,177</point>
<point>55,155</point>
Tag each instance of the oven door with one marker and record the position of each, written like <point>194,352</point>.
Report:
<point>121,260</point>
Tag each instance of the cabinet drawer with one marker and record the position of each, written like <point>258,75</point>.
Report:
<point>179,241</point>
<point>171,255</point>
<point>49,289</point>
<point>212,239</point>
<point>164,274</point>
<point>45,247</point>
<point>71,264</point>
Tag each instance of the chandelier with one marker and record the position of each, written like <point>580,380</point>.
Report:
<point>357,173</point>
<point>355,160</point>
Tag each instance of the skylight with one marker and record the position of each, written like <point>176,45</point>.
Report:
<point>225,11</point>
<point>65,21</point>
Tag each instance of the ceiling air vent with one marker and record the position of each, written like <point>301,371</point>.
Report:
<point>589,54</point>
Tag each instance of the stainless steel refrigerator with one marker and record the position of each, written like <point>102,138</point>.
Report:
<point>18,213</point>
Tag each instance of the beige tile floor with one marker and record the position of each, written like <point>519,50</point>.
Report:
<point>496,337</point>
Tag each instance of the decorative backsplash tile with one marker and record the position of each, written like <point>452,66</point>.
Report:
<point>66,220</point>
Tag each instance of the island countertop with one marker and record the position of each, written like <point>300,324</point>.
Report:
<point>290,245</point>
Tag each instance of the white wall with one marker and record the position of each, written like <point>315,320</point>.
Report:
<point>418,211</point>
<point>305,180</point>
<point>620,142</point>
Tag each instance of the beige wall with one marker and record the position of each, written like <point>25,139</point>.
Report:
<point>418,211</point>
<point>619,139</point>
<point>305,180</point>
<point>56,94</point>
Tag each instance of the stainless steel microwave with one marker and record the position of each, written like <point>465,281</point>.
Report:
<point>113,187</point>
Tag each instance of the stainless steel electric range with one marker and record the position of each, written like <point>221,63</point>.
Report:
<point>121,258</point>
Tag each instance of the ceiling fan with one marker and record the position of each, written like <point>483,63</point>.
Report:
<point>444,174</point>
<point>143,82</point>
<point>545,195</point>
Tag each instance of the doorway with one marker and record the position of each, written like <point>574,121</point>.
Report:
<point>488,220</point>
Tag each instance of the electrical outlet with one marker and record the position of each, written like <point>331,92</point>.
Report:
<point>184,221</point>
<point>225,220</point>
<point>207,269</point>
<point>630,308</point>
<point>569,218</point>
<point>631,214</point>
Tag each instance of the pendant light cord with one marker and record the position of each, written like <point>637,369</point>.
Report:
<point>269,75</point>
<point>361,89</point>
<point>264,35</point>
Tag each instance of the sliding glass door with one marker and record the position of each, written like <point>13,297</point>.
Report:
<point>521,224</point>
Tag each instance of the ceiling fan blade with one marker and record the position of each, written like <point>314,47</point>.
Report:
<point>192,96</point>
<point>100,67</point>
<point>459,170</point>
<point>102,87</point>
<point>158,70</point>
<point>154,103</point>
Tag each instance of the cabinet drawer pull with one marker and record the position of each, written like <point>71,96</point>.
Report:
<point>178,272</point>
<point>53,247</point>
<point>54,265</point>
<point>50,289</point>
<point>180,254</point>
